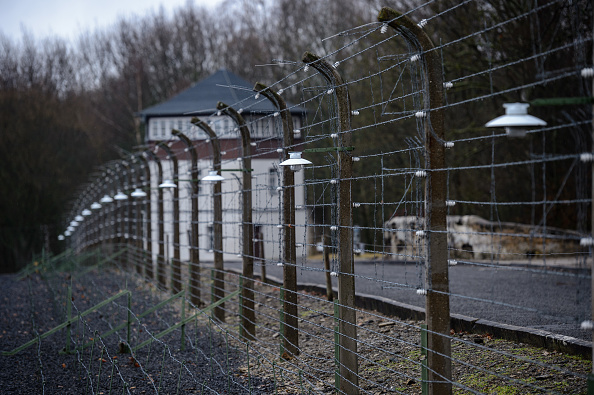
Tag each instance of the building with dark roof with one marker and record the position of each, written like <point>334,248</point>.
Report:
<point>200,101</point>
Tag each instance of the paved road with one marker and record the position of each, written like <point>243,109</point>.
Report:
<point>556,301</point>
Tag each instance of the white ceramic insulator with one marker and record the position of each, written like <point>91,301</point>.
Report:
<point>450,203</point>
<point>588,72</point>
<point>420,114</point>
<point>334,274</point>
<point>279,150</point>
<point>452,262</point>
<point>334,181</point>
<point>448,85</point>
<point>421,292</point>
<point>330,91</point>
<point>384,29</point>
<point>334,227</point>
<point>355,112</point>
<point>448,144</point>
<point>420,173</point>
<point>587,325</point>
<point>587,241</point>
<point>587,157</point>
<point>415,58</point>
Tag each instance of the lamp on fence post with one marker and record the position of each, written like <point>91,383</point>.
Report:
<point>170,184</point>
<point>437,311</point>
<point>290,324</point>
<point>219,311</point>
<point>349,382</point>
<point>248,318</point>
<point>194,266</point>
<point>516,120</point>
<point>161,237</point>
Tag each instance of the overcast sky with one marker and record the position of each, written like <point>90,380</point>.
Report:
<point>67,18</point>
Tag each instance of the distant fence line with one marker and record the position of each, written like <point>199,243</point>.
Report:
<point>391,159</point>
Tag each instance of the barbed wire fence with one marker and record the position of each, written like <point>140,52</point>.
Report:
<point>463,229</point>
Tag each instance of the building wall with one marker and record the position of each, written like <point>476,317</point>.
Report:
<point>266,209</point>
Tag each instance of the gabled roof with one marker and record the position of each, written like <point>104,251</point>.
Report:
<point>202,97</point>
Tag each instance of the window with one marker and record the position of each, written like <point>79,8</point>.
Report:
<point>210,235</point>
<point>163,127</point>
<point>273,180</point>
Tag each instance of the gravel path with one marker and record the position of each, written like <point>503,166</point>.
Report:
<point>36,304</point>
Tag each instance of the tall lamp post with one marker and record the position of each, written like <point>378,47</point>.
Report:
<point>290,322</point>
<point>176,261</point>
<point>437,302</point>
<point>248,317</point>
<point>195,239</point>
<point>219,311</point>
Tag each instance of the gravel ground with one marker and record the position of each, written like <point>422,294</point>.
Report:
<point>389,350</point>
<point>37,303</point>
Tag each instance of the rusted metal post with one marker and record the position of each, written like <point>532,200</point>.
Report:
<point>248,316</point>
<point>349,382</point>
<point>437,305</point>
<point>176,261</point>
<point>194,266</point>
<point>161,255</point>
<point>290,322</point>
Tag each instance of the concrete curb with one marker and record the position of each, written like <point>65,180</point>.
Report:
<point>461,323</point>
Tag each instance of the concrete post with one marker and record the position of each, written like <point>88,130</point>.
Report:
<point>161,255</point>
<point>349,383</point>
<point>290,322</point>
<point>219,311</point>
<point>248,317</point>
<point>438,298</point>
<point>176,261</point>
<point>194,266</point>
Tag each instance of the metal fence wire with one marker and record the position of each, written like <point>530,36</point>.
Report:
<point>415,241</point>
